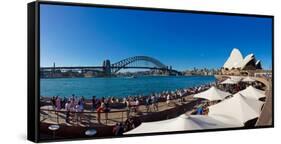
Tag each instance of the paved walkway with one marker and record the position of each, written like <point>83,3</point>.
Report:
<point>89,118</point>
<point>265,118</point>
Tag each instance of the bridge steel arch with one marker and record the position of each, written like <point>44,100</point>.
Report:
<point>123,63</point>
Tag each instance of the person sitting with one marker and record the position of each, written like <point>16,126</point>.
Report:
<point>200,110</point>
<point>129,124</point>
<point>118,129</point>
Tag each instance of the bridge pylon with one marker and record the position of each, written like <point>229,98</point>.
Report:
<point>106,67</point>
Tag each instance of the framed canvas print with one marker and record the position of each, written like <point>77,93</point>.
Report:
<point>104,71</point>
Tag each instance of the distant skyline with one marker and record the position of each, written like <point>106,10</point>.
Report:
<point>85,36</point>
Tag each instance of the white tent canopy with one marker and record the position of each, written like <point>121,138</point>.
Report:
<point>212,94</point>
<point>236,78</point>
<point>248,79</point>
<point>238,107</point>
<point>229,81</point>
<point>227,120</point>
<point>181,123</point>
<point>252,93</point>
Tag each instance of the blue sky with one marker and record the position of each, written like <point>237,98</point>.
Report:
<point>72,36</point>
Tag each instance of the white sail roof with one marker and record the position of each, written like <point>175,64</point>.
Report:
<point>246,60</point>
<point>258,62</point>
<point>236,60</point>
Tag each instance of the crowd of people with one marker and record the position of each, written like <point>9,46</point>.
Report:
<point>122,127</point>
<point>72,104</point>
<point>234,88</point>
<point>75,105</point>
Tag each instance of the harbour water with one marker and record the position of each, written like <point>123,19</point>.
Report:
<point>119,86</point>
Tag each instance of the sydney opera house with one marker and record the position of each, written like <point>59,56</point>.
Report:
<point>237,65</point>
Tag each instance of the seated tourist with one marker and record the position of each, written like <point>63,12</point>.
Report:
<point>200,110</point>
<point>118,129</point>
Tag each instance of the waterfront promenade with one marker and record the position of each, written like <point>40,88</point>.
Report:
<point>89,117</point>
<point>88,120</point>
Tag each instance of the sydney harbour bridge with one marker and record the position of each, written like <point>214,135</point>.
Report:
<point>108,69</point>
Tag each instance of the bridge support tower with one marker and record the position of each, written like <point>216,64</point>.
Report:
<point>106,67</point>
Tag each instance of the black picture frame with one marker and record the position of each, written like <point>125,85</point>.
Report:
<point>33,119</point>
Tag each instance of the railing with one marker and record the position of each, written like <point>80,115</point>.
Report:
<point>89,115</point>
<point>93,116</point>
